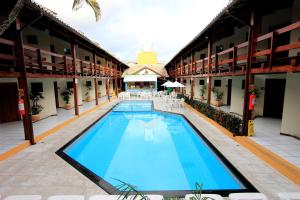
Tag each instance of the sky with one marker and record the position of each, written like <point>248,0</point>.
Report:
<point>130,26</point>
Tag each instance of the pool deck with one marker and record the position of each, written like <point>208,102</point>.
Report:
<point>38,170</point>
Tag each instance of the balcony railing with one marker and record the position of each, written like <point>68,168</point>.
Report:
<point>269,52</point>
<point>42,61</point>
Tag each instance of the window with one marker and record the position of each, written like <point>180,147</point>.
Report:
<point>201,82</point>
<point>67,51</point>
<point>184,81</point>
<point>243,84</point>
<point>219,48</point>
<point>36,87</point>
<point>88,83</point>
<point>87,58</point>
<point>69,85</point>
<point>202,56</point>
<point>98,62</point>
<point>99,82</point>
<point>217,83</point>
<point>32,39</point>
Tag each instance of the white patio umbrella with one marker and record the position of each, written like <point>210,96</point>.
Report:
<point>176,84</point>
<point>166,84</point>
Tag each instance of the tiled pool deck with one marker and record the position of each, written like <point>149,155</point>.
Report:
<point>12,133</point>
<point>38,170</point>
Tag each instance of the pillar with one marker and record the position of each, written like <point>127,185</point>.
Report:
<point>192,88</point>
<point>126,86</point>
<point>22,82</point>
<point>75,80</point>
<point>96,91</point>
<point>249,79</point>
<point>209,79</point>
<point>95,80</point>
<point>155,86</point>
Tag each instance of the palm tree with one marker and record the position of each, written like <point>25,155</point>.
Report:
<point>19,5</point>
<point>92,3</point>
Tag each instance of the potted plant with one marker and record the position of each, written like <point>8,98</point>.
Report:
<point>202,92</point>
<point>36,108</point>
<point>66,94</point>
<point>87,94</point>
<point>218,97</point>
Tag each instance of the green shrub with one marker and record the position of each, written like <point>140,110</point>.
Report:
<point>227,120</point>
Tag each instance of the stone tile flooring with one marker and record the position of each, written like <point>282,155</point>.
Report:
<point>12,133</point>
<point>267,134</point>
<point>38,170</point>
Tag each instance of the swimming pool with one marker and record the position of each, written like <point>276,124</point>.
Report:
<point>155,151</point>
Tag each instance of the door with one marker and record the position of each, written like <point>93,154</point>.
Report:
<point>56,94</point>
<point>229,89</point>
<point>8,102</point>
<point>274,98</point>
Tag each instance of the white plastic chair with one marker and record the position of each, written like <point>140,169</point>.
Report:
<point>66,197</point>
<point>213,196</point>
<point>289,195</point>
<point>247,196</point>
<point>116,197</point>
<point>23,197</point>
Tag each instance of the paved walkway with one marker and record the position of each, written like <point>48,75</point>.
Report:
<point>38,170</point>
<point>267,134</point>
<point>12,133</point>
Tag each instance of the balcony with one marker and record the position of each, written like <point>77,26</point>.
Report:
<point>40,62</point>
<point>267,57</point>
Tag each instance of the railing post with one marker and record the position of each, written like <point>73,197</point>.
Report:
<point>39,59</point>
<point>209,71</point>
<point>203,66</point>
<point>65,65</point>
<point>272,48</point>
<point>81,67</point>
<point>216,62</point>
<point>234,62</point>
<point>181,73</point>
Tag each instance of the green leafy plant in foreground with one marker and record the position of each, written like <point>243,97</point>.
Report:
<point>128,191</point>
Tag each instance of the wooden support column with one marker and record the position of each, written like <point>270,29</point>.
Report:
<point>192,88</point>
<point>181,73</point>
<point>249,80</point>
<point>22,82</point>
<point>116,79</point>
<point>95,81</point>
<point>75,80</point>
<point>209,71</point>
<point>108,89</point>
<point>193,63</point>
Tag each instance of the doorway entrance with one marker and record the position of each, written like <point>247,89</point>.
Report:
<point>229,89</point>
<point>9,102</point>
<point>274,98</point>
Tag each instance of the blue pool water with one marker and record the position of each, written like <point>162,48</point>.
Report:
<point>151,150</point>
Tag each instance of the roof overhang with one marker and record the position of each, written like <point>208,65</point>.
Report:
<point>140,78</point>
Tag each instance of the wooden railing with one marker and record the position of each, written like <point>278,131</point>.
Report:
<point>235,58</point>
<point>43,61</point>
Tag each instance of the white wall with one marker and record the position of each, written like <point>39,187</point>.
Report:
<point>223,88</point>
<point>291,109</point>
<point>49,97</point>
<point>197,87</point>
<point>48,92</point>
<point>62,85</point>
<point>237,100</point>
<point>102,88</point>
<point>84,89</point>
<point>260,84</point>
